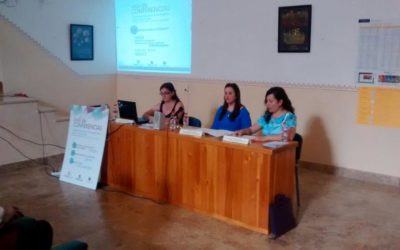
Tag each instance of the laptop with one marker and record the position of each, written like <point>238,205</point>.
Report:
<point>127,110</point>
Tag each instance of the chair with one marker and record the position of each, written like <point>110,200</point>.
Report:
<point>25,232</point>
<point>71,245</point>
<point>299,139</point>
<point>194,122</point>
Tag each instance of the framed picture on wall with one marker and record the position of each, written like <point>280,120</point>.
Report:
<point>365,77</point>
<point>81,42</point>
<point>294,28</point>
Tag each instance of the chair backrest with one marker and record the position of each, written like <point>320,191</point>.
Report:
<point>299,139</point>
<point>195,122</point>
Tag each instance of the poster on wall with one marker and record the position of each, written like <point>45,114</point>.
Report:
<point>85,145</point>
<point>81,42</point>
<point>379,106</point>
<point>378,52</point>
<point>294,28</point>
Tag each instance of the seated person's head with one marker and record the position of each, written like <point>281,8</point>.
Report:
<point>277,99</point>
<point>232,94</point>
<point>168,92</point>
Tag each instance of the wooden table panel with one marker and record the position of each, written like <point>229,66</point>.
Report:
<point>120,156</point>
<point>136,161</point>
<point>149,164</point>
<point>238,195</point>
<point>190,173</point>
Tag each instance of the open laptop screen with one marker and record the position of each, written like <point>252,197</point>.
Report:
<point>127,110</point>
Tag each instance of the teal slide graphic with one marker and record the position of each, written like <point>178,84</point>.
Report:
<point>154,36</point>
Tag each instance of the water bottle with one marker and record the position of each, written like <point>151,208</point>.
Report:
<point>115,113</point>
<point>172,123</point>
<point>185,120</point>
<point>284,132</point>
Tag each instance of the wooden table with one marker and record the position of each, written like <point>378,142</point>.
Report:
<point>231,182</point>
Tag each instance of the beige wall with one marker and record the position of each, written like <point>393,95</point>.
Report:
<point>29,68</point>
<point>21,116</point>
<point>326,119</point>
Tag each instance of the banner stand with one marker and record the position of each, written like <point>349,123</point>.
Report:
<point>85,145</point>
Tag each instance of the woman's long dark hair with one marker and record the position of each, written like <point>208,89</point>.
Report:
<point>238,104</point>
<point>279,94</point>
<point>171,88</point>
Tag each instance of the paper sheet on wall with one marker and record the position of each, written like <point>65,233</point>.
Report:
<point>365,105</point>
<point>387,105</point>
<point>379,106</point>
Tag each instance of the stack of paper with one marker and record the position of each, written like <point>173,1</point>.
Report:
<point>235,139</point>
<point>124,121</point>
<point>275,144</point>
<point>197,132</point>
<point>250,137</point>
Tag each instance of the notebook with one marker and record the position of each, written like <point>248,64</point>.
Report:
<point>127,110</point>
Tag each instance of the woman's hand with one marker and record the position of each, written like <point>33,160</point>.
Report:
<point>258,139</point>
<point>268,138</point>
<point>245,131</point>
<point>248,131</point>
<point>238,133</point>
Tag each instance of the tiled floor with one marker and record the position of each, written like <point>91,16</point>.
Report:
<point>336,213</point>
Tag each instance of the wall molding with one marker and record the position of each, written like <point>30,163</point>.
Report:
<point>193,80</point>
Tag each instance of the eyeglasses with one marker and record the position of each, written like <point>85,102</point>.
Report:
<point>165,93</point>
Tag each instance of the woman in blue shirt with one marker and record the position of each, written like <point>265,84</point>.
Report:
<point>232,115</point>
<point>279,111</point>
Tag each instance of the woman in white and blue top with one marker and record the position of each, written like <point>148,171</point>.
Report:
<point>279,113</point>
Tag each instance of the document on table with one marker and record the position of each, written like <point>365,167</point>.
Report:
<point>216,132</point>
<point>147,126</point>
<point>250,137</point>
